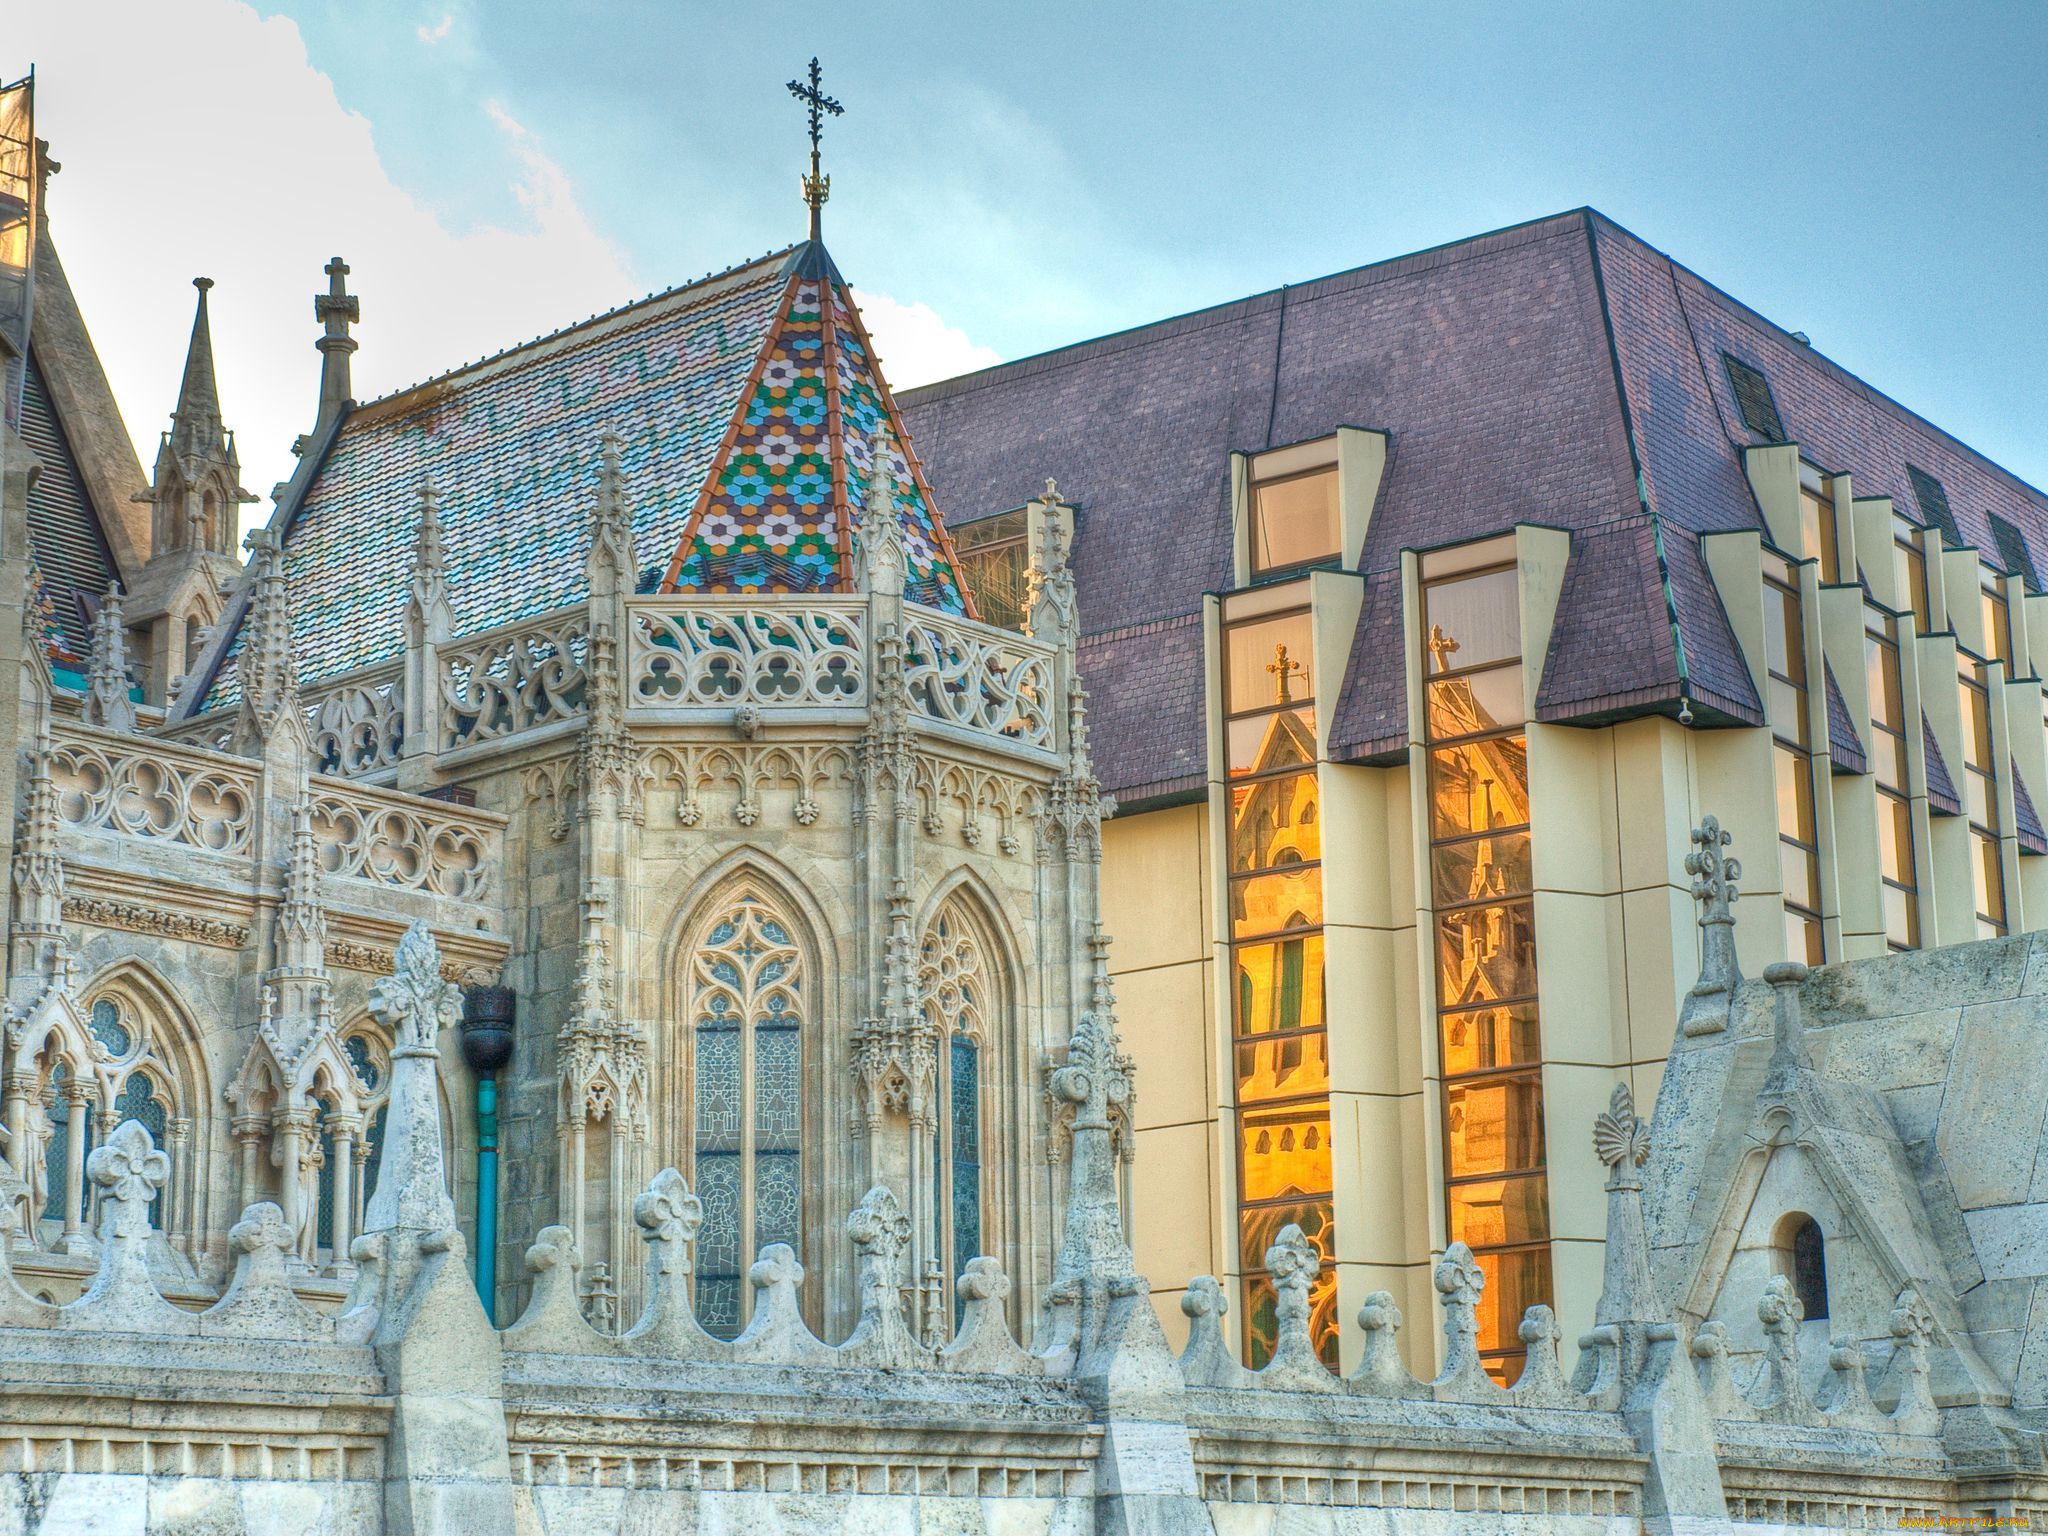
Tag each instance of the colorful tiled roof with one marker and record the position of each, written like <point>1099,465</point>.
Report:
<point>746,405</point>
<point>780,509</point>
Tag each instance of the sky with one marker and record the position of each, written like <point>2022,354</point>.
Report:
<point>1010,179</point>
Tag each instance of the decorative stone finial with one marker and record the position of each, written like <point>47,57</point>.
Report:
<point>1293,1264</point>
<point>1095,1082</point>
<point>1620,1140</point>
<point>413,1002</point>
<point>428,613</point>
<point>336,310</point>
<point>1050,613</point>
<point>1781,1312</point>
<point>669,1216</point>
<point>130,1170</point>
<point>1460,1282</point>
<point>1714,887</point>
<point>1788,1023</point>
<point>884,561</point>
<point>106,684</point>
<point>610,566</point>
<point>268,665</point>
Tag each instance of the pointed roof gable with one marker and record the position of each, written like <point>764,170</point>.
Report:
<point>779,509</point>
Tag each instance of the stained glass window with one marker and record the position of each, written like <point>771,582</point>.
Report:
<point>746,1012</point>
<point>954,989</point>
<point>108,1029</point>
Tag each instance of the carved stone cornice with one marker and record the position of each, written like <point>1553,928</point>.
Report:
<point>139,917</point>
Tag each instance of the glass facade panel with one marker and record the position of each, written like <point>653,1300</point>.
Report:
<point>1274,823</point>
<point>1790,710</point>
<point>1281,1068</point>
<point>1474,703</point>
<point>1495,1125</point>
<point>1477,773</point>
<point>1980,795</point>
<point>1266,663</point>
<point>1997,620</point>
<point>1294,520</point>
<point>1487,1039</point>
<point>1480,868</point>
<point>1280,985</point>
<point>1472,621</point>
<point>1480,786</point>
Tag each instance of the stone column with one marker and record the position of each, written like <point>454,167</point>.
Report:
<point>343,1129</point>
<point>179,1225</point>
<point>14,1106</point>
<point>294,1127</point>
<point>248,1134</point>
<point>79,1097</point>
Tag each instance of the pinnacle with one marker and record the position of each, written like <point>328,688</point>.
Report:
<point>196,424</point>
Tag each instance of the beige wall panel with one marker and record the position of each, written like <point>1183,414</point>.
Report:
<point>1163,1014</point>
<point>1575,1271</point>
<point>1414,1292</point>
<point>1660,943</point>
<point>1732,774</point>
<point>1172,1321</point>
<point>1172,1204</point>
<point>1373,1006</point>
<point>1572,811</point>
<point>1377,1141</point>
<point>1368,847</point>
<point>1152,873</point>
<point>1573,1097</point>
<point>1652,800</point>
<point>1580,976</point>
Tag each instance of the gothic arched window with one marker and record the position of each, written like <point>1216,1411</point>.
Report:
<point>955,991</point>
<point>1806,1264</point>
<point>747,995</point>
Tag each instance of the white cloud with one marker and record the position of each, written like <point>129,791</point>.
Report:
<point>438,31</point>
<point>252,173</point>
<point>915,344</point>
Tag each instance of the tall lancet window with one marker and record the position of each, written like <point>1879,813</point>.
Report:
<point>954,988</point>
<point>746,1009</point>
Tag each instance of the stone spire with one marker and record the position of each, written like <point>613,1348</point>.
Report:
<point>196,427</point>
<point>302,918</point>
<point>883,559</point>
<point>1049,608</point>
<point>1622,1142</point>
<point>106,683</point>
<point>268,666</point>
<point>610,568</point>
<point>428,612</point>
<point>38,871</point>
<point>336,310</point>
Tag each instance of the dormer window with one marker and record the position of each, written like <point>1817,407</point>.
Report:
<point>992,561</point>
<point>1294,508</point>
<point>1817,539</point>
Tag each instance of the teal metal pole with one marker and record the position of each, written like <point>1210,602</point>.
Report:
<point>487,1193</point>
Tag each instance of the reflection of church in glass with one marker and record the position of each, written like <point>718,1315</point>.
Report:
<point>1282,1048</point>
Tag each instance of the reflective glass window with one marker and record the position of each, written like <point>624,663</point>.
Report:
<point>1294,520</point>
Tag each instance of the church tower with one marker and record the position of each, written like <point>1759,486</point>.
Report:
<point>195,498</point>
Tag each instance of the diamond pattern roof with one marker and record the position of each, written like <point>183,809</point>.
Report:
<point>779,511</point>
<point>511,443</point>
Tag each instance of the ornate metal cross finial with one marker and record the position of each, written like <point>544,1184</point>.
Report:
<point>1284,669</point>
<point>817,187</point>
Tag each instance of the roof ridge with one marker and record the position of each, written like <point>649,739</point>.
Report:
<point>646,300</point>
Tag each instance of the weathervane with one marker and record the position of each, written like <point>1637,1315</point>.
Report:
<point>817,187</point>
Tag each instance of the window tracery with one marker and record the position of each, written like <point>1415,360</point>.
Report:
<point>956,994</point>
<point>747,1000</point>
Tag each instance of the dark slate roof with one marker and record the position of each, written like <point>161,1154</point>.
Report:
<point>1845,747</point>
<point>2032,837</point>
<point>64,534</point>
<point>1523,376</point>
<point>1942,798</point>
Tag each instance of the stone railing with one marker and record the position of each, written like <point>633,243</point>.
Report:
<point>508,681</point>
<point>358,721</point>
<point>405,842</point>
<point>695,650</point>
<point>978,679</point>
<point>146,787</point>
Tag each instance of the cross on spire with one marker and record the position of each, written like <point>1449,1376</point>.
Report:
<point>1284,669</point>
<point>817,187</point>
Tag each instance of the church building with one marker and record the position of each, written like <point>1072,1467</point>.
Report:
<point>683,935</point>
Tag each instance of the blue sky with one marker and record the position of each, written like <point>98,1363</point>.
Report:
<point>1867,173</point>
